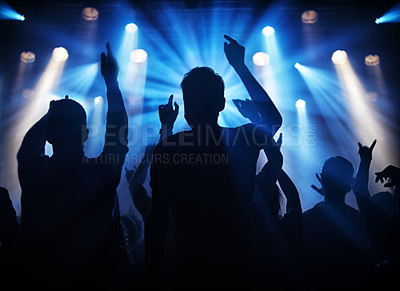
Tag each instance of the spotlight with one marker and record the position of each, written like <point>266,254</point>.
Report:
<point>268,30</point>
<point>7,12</point>
<point>297,65</point>
<point>300,103</point>
<point>339,57</point>
<point>309,16</point>
<point>372,60</point>
<point>27,57</point>
<point>261,59</point>
<point>60,54</point>
<point>139,56</point>
<point>90,13</point>
<point>131,27</point>
<point>98,100</point>
<point>377,20</point>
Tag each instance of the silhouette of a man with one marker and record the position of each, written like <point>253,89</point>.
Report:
<point>70,217</point>
<point>205,176</point>
<point>335,238</point>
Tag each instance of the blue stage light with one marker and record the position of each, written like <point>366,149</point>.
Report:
<point>297,65</point>
<point>131,27</point>
<point>6,12</point>
<point>393,15</point>
<point>268,30</point>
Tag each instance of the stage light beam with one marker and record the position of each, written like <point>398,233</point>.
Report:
<point>131,27</point>
<point>60,54</point>
<point>8,13</point>
<point>300,104</point>
<point>268,30</point>
<point>139,56</point>
<point>392,16</point>
<point>339,57</point>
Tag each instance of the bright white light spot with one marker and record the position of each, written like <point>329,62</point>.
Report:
<point>261,59</point>
<point>139,56</point>
<point>377,20</point>
<point>90,13</point>
<point>60,54</point>
<point>297,65</point>
<point>98,100</point>
<point>300,103</point>
<point>339,57</point>
<point>131,27</point>
<point>27,57</point>
<point>268,30</point>
<point>372,60</point>
<point>22,17</point>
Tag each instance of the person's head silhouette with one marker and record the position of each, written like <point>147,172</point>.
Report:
<point>203,96</point>
<point>336,178</point>
<point>66,124</point>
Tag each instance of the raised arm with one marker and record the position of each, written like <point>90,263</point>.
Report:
<point>361,191</point>
<point>290,191</point>
<point>167,116</point>
<point>116,139</point>
<point>271,118</point>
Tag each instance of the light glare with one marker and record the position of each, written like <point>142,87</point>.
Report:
<point>90,13</point>
<point>139,56</point>
<point>372,60</point>
<point>268,30</point>
<point>60,54</point>
<point>98,100</point>
<point>261,59</point>
<point>27,57</point>
<point>300,103</point>
<point>309,16</point>
<point>131,27</point>
<point>339,57</point>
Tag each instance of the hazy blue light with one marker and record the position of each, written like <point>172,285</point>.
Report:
<point>6,12</point>
<point>393,15</point>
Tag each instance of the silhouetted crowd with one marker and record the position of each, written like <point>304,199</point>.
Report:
<point>210,219</point>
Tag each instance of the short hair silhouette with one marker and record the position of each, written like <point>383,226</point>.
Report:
<point>337,174</point>
<point>66,122</point>
<point>203,94</point>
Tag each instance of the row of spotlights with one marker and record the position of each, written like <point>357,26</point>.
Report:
<point>60,54</point>
<point>339,57</point>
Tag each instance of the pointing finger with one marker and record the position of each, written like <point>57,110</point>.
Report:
<point>372,145</point>
<point>227,37</point>
<point>109,52</point>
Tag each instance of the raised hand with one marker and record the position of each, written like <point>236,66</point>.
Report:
<point>365,152</point>
<point>318,189</point>
<point>168,114</point>
<point>247,109</point>
<point>234,52</point>
<point>109,65</point>
<point>390,172</point>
